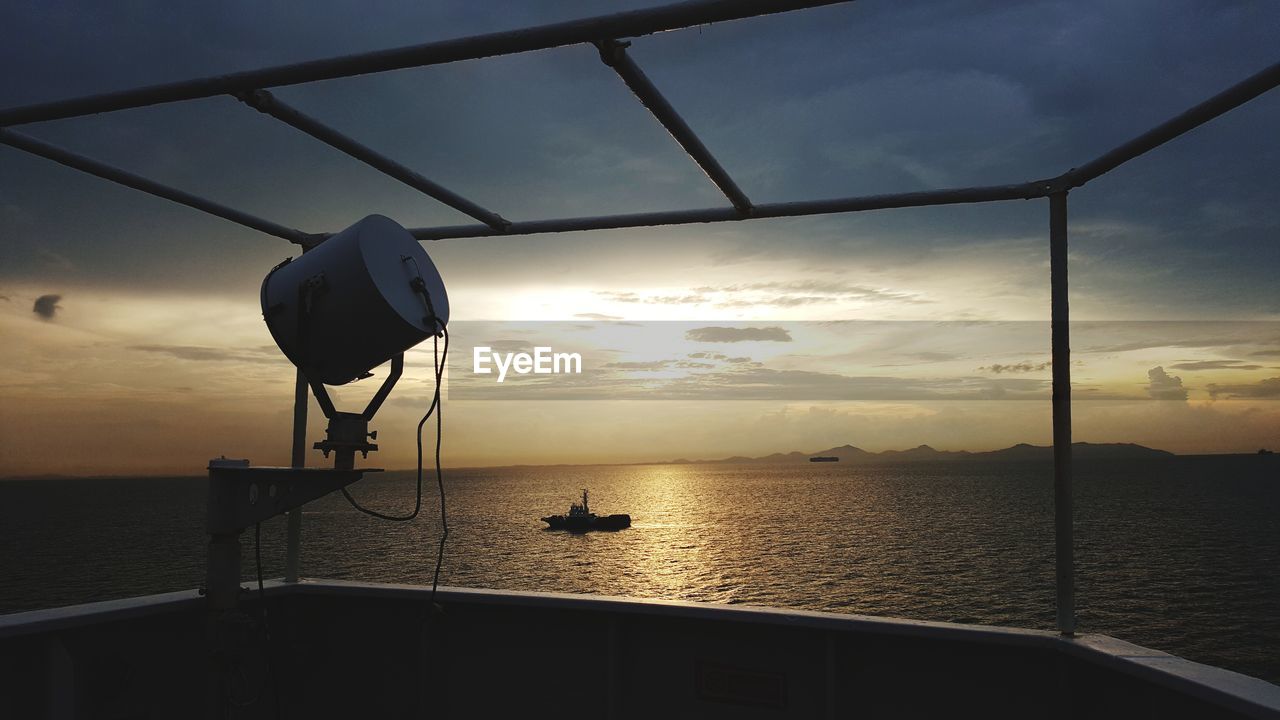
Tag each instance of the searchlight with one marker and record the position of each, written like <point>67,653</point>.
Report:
<point>359,299</point>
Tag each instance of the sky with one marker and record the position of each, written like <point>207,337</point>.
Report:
<point>134,343</point>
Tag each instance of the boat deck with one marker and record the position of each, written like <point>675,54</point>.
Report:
<point>342,649</point>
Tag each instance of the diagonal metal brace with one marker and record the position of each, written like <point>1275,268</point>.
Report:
<point>614,54</point>
<point>123,177</point>
<point>242,496</point>
<point>268,104</point>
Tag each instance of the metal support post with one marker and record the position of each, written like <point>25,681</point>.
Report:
<point>1061,343</point>
<point>294,530</point>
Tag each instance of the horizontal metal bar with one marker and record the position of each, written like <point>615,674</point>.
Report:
<point>588,30</point>
<point>993,193</point>
<point>614,54</point>
<point>1219,104</point>
<point>265,102</point>
<point>128,179</point>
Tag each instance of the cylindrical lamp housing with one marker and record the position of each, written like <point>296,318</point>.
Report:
<point>358,299</point>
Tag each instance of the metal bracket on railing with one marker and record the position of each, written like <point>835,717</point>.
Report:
<point>241,496</point>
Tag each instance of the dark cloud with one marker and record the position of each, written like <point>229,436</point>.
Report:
<point>732,334</point>
<point>1269,388</point>
<point>1265,353</point>
<point>1163,386</point>
<point>1020,367</point>
<point>1215,365</point>
<point>46,306</point>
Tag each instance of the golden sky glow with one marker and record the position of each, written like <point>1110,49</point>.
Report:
<point>120,382</point>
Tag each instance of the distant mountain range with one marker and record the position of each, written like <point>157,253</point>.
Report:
<point>1018,453</point>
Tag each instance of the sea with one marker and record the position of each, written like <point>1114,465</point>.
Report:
<point>1181,555</point>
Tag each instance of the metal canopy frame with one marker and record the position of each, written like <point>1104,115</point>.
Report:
<point>604,32</point>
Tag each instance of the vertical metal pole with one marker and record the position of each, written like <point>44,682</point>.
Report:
<point>300,400</point>
<point>1061,343</point>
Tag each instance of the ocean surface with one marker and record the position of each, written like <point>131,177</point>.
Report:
<point>1181,555</point>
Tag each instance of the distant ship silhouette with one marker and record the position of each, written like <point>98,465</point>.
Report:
<point>581,519</point>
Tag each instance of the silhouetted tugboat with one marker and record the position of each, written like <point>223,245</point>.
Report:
<point>581,519</point>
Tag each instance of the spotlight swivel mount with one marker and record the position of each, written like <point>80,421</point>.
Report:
<point>348,433</point>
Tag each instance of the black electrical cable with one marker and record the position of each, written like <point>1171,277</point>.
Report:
<point>444,519</point>
<point>438,362</point>
<point>439,359</point>
<point>433,408</point>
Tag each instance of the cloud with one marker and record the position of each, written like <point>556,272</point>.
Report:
<point>1157,343</point>
<point>639,365</point>
<point>1269,388</point>
<point>731,334</point>
<point>750,381</point>
<point>761,383</point>
<point>510,346</point>
<point>926,357</point>
<point>53,260</point>
<point>797,293</point>
<point>930,356</point>
<point>631,297</point>
<point>834,289</point>
<point>790,294</point>
<point>780,301</point>
<point>1265,353</point>
<point>1163,386</point>
<point>46,306</point>
<point>597,316</point>
<point>1215,365</point>
<point>265,354</point>
<point>1021,367</point>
